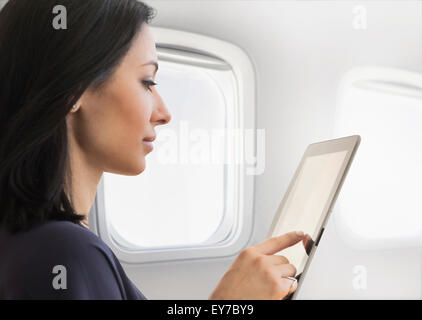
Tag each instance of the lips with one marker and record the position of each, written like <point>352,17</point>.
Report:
<point>150,139</point>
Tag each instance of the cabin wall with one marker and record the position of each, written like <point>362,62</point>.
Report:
<point>300,50</point>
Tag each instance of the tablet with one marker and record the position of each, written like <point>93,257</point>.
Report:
<point>310,198</point>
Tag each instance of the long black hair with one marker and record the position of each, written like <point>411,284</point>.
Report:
<point>43,72</point>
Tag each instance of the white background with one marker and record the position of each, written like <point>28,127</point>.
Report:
<point>300,50</point>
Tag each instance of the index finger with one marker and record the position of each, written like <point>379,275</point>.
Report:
<point>276,244</point>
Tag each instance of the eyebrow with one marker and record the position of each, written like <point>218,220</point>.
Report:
<point>154,63</point>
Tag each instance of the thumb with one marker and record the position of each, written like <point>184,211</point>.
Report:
<point>276,244</point>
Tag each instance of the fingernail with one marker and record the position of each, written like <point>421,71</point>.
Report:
<point>300,233</point>
<point>294,281</point>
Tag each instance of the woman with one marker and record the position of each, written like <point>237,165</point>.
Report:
<point>76,102</point>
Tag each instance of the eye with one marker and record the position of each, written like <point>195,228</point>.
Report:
<point>148,84</point>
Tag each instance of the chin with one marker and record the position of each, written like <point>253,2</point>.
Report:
<point>139,163</point>
<point>135,168</point>
<point>140,168</point>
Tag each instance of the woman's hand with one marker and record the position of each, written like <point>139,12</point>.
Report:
<point>259,274</point>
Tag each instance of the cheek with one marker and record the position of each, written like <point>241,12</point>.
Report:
<point>129,111</point>
<point>128,119</point>
<point>116,123</point>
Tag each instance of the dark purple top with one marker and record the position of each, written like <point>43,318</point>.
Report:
<point>61,260</point>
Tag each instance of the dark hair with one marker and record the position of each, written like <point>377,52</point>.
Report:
<point>43,72</point>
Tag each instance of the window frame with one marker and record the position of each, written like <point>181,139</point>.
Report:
<point>241,232</point>
<point>389,80</point>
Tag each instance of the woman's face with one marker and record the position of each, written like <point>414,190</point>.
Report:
<point>109,127</point>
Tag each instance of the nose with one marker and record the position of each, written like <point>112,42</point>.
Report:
<point>160,114</point>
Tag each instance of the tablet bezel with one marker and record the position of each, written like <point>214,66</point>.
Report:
<point>349,144</point>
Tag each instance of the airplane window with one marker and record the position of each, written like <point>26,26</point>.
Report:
<point>184,197</point>
<point>380,203</point>
<point>195,197</point>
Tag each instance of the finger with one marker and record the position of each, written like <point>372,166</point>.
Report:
<point>293,286</point>
<point>288,286</point>
<point>276,259</point>
<point>285,270</point>
<point>276,244</point>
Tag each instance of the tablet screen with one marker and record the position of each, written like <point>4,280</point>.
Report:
<point>306,201</point>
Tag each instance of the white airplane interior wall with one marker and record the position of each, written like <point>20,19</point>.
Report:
<point>300,51</point>
<point>313,71</point>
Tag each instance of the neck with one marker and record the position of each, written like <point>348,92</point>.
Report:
<point>84,181</point>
